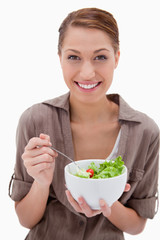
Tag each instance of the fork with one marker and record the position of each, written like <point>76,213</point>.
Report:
<point>65,156</point>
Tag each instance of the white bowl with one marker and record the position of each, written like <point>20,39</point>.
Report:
<point>92,190</point>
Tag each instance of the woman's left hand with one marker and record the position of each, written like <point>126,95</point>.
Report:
<point>82,207</point>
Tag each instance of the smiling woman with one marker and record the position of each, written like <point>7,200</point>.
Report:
<point>88,59</point>
<point>84,124</point>
<point>90,41</point>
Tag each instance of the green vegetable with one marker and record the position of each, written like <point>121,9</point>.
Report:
<point>82,173</point>
<point>108,169</point>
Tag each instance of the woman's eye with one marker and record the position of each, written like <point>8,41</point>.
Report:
<point>73,57</point>
<point>101,57</point>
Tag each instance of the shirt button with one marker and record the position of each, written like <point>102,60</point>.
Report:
<point>81,223</point>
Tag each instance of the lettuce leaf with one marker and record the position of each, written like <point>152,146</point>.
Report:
<point>108,169</point>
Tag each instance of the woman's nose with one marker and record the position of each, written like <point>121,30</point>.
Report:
<point>87,71</point>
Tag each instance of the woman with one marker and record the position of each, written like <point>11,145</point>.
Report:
<point>84,123</point>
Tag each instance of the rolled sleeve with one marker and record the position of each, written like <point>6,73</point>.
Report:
<point>144,199</point>
<point>18,189</point>
<point>144,207</point>
<point>21,182</point>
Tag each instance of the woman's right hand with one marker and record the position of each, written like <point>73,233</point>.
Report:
<point>39,159</point>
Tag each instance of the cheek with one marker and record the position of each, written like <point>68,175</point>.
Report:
<point>69,72</point>
<point>65,70</point>
<point>107,71</point>
<point>68,75</point>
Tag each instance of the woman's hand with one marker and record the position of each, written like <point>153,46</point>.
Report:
<point>39,159</point>
<point>82,207</point>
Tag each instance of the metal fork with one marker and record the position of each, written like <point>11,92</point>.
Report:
<point>65,156</point>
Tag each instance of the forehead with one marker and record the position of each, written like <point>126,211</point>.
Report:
<point>81,37</point>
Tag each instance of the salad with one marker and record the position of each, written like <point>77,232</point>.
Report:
<point>107,169</point>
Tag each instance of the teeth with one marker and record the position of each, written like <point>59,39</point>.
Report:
<point>89,86</point>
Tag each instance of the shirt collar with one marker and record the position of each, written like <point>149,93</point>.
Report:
<point>126,113</point>
<point>60,102</point>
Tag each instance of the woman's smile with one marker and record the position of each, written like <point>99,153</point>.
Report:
<point>88,86</point>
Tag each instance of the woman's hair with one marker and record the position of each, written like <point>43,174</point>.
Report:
<point>91,18</point>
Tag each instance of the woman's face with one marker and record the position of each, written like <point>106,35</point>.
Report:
<point>88,61</point>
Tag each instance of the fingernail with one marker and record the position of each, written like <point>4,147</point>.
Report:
<point>80,201</point>
<point>102,203</point>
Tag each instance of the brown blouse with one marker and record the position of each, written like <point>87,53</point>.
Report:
<point>138,146</point>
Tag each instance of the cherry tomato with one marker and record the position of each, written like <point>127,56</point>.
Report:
<point>91,172</point>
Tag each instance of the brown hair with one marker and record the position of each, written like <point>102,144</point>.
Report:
<point>91,18</point>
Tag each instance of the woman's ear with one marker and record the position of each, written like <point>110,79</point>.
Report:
<point>117,56</point>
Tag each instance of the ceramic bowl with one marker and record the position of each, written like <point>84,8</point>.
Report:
<point>92,190</point>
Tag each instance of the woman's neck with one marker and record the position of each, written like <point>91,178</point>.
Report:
<point>102,111</point>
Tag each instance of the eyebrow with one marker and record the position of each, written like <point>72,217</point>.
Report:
<point>101,49</point>
<point>96,51</point>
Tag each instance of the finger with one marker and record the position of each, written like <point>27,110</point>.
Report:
<point>39,151</point>
<point>34,170</point>
<point>44,136</point>
<point>73,202</point>
<point>106,210</point>
<point>86,209</point>
<point>127,187</point>
<point>34,142</point>
<point>44,158</point>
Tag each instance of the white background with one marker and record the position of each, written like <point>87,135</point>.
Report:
<point>30,73</point>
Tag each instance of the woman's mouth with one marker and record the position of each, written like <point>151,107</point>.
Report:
<point>88,86</point>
